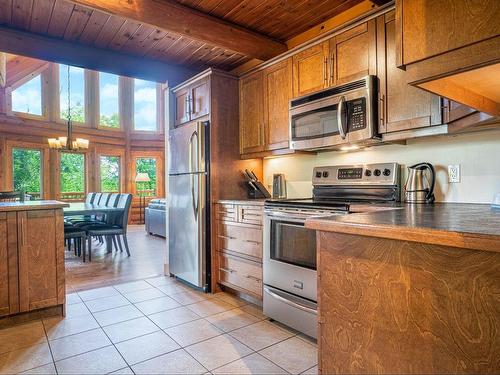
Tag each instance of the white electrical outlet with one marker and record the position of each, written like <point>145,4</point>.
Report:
<point>454,173</point>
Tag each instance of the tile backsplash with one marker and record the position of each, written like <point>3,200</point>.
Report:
<point>478,155</point>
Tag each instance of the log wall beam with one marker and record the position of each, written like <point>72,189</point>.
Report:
<point>193,24</point>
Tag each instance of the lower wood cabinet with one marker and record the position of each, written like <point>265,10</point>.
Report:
<point>239,247</point>
<point>31,260</point>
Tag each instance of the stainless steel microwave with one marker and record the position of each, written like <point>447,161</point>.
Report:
<point>339,118</point>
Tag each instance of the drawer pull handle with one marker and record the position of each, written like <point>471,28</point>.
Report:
<point>251,241</point>
<point>253,278</point>
<point>227,237</point>
<point>227,270</point>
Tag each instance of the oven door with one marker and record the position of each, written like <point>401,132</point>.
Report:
<point>289,260</point>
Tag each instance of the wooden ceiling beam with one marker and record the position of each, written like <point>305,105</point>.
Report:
<point>56,50</point>
<point>171,16</point>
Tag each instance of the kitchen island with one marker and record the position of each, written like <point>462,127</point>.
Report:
<point>409,289</point>
<point>32,259</point>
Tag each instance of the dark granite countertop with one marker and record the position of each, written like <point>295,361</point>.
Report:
<point>31,205</point>
<point>471,226</point>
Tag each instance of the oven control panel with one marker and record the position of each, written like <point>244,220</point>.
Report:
<point>380,173</point>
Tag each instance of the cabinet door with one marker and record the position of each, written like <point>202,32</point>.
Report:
<point>310,70</point>
<point>41,259</point>
<point>182,110</point>
<point>277,95</point>
<point>353,54</point>
<point>9,301</point>
<point>251,114</point>
<point>199,100</point>
<point>402,106</point>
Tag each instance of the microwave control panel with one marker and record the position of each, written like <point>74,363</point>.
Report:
<point>356,114</point>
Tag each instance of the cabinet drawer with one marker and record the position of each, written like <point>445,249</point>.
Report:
<point>241,273</point>
<point>244,240</point>
<point>227,212</point>
<point>250,214</point>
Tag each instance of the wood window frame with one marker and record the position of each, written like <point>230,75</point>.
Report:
<point>160,170</point>
<point>57,174</point>
<point>123,171</point>
<point>45,74</point>
<point>10,145</point>
<point>88,98</point>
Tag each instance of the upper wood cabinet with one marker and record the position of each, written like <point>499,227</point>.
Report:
<point>252,113</point>
<point>310,70</point>
<point>452,48</point>
<point>402,106</point>
<point>9,301</point>
<point>353,54</point>
<point>41,259</point>
<point>192,102</point>
<point>277,95</point>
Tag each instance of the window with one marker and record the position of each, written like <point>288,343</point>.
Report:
<point>72,175</point>
<point>27,98</point>
<point>77,93</point>
<point>146,165</point>
<point>145,109</point>
<point>108,100</point>
<point>27,171</point>
<point>109,167</point>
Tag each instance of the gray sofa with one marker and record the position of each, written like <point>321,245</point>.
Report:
<point>156,217</point>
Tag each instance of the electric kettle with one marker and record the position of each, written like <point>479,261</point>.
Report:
<point>418,189</point>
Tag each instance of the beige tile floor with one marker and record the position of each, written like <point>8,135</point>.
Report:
<point>156,326</point>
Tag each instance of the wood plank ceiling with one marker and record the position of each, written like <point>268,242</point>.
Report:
<point>278,19</point>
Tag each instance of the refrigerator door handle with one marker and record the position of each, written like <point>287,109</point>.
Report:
<point>191,158</point>
<point>193,199</point>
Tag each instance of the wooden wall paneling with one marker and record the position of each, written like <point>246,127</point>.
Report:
<point>3,164</point>
<point>61,13</point>
<point>40,16</point>
<point>277,94</point>
<point>418,308</point>
<point>21,13</point>
<point>77,22</point>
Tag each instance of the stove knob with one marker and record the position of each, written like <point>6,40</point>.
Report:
<point>325,174</point>
<point>368,173</point>
<point>377,172</point>
<point>318,174</point>
<point>387,172</point>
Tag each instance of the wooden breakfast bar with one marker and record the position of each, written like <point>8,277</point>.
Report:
<point>413,289</point>
<point>32,259</point>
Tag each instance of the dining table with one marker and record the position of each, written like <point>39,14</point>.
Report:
<point>89,209</point>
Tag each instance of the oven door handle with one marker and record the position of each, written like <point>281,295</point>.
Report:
<point>290,303</point>
<point>341,117</point>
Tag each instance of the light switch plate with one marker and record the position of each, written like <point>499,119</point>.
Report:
<point>454,173</point>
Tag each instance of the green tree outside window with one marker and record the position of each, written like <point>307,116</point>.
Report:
<point>27,171</point>
<point>110,173</point>
<point>72,172</point>
<point>146,165</point>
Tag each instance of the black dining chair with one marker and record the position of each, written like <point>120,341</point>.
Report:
<point>79,238</point>
<point>115,229</point>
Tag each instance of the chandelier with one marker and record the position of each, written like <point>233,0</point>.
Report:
<point>67,143</point>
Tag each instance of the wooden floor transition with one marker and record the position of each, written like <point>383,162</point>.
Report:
<point>147,259</point>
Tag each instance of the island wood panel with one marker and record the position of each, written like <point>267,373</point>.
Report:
<point>251,114</point>
<point>310,70</point>
<point>277,95</point>
<point>402,106</point>
<point>389,306</point>
<point>353,54</point>
<point>9,297</point>
<point>41,259</point>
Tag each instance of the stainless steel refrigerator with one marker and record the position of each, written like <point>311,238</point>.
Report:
<point>188,212</point>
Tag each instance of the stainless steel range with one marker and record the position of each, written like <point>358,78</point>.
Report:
<point>290,277</point>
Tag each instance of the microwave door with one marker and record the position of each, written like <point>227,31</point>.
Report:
<point>315,127</point>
